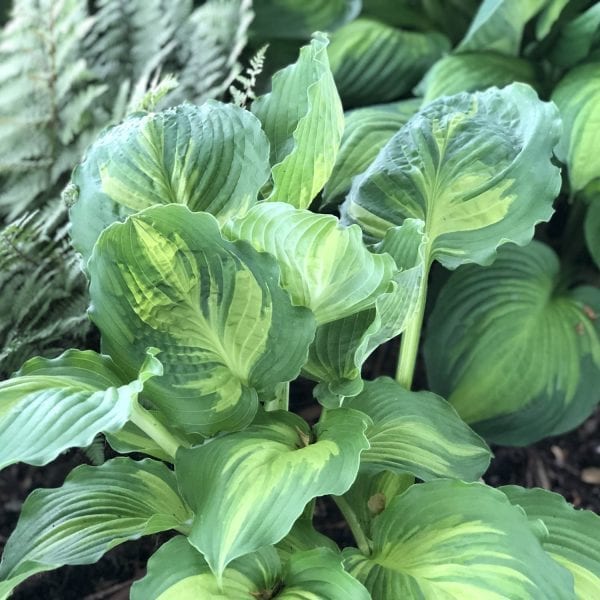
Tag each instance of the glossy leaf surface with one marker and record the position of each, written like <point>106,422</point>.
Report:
<point>517,355</point>
<point>226,330</point>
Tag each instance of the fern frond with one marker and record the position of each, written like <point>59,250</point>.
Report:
<point>246,90</point>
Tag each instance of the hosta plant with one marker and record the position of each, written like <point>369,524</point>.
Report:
<point>215,287</point>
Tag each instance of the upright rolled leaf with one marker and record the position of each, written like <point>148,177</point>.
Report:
<point>304,121</point>
<point>95,510</point>
<point>476,168</point>
<point>472,71</point>
<point>226,329</point>
<point>578,98</point>
<point>417,433</point>
<point>516,354</point>
<point>573,538</point>
<point>366,131</point>
<point>592,230</point>
<point>499,25</point>
<point>298,19</point>
<point>578,39</point>
<point>279,470</point>
<point>211,158</point>
<point>449,539</point>
<point>55,404</point>
<point>372,62</point>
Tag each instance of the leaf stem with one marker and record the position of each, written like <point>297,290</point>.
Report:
<point>364,545</point>
<point>152,427</point>
<point>409,344</point>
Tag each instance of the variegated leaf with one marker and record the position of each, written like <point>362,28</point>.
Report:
<point>95,510</point>
<point>303,119</point>
<point>417,433</point>
<point>514,350</point>
<point>211,158</point>
<point>226,329</point>
<point>274,462</point>
<point>449,539</point>
<point>476,168</point>
<point>573,535</point>
<point>55,404</point>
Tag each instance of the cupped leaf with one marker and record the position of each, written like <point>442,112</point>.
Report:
<point>499,25</point>
<point>475,168</point>
<point>417,433</point>
<point>578,98</point>
<point>372,62</point>
<point>303,536</point>
<point>578,39</point>
<point>516,354</point>
<point>211,158</point>
<point>324,266</point>
<point>177,571</point>
<point>366,131</point>
<point>472,71</point>
<point>573,538</point>
<point>274,462</point>
<point>226,329</point>
<point>55,404</point>
<point>449,539</point>
<point>592,230</point>
<point>303,119</point>
<point>96,509</point>
<point>297,19</point>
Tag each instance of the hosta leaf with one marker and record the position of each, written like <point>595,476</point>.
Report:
<point>341,347</point>
<point>225,328</point>
<point>372,62</point>
<point>52,405</point>
<point>573,535</point>
<point>366,131</point>
<point>592,230</point>
<point>475,167</point>
<point>304,121</point>
<point>303,536</point>
<point>324,266</point>
<point>548,17</point>
<point>499,24</point>
<point>578,98</point>
<point>211,158</point>
<point>96,509</point>
<point>298,19</point>
<point>279,471</point>
<point>578,38</point>
<point>177,571</point>
<point>449,539</point>
<point>515,353</point>
<point>472,71</point>
<point>417,433</point>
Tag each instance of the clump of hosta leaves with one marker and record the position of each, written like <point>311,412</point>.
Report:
<point>214,287</point>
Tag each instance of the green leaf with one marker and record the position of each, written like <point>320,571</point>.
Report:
<point>372,62</point>
<point>578,39</point>
<point>303,536</point>
<point>324,266</point>
<point>211,158</point>
<point>472,71</point>
<point>366,131</point>
<point>341,347</point>
<point>475,168</point>
<point>417,433</point>
<point>592,230</point>
<point>52,405</point>
<point>449,539</point>
<point>548,17</point>
<point>226,330</point>
<point>515,352</point>
<point>578,98</point>
<point>298,19</point>
<point>573,535</point>
<point>177,571</point>
<point>499,24</point>
<point>95,510</point>
<point>304,121</point>
<point>278,469</point>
